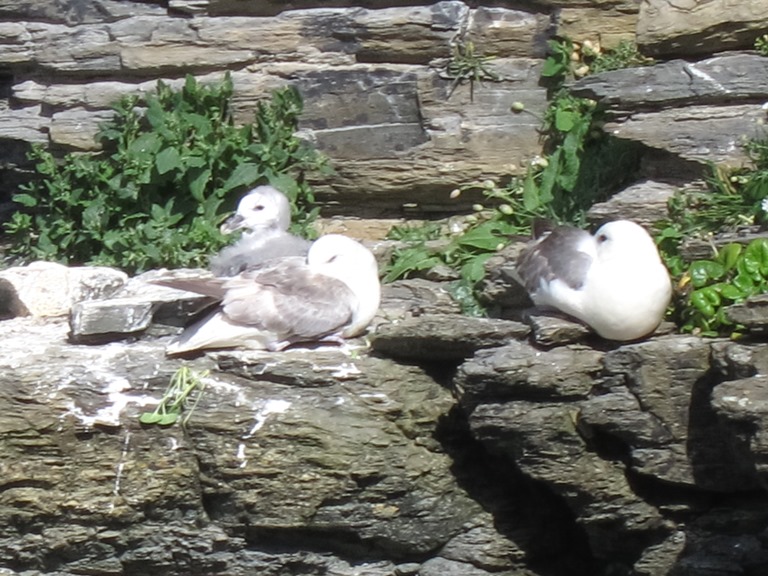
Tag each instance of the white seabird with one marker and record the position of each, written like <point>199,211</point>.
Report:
<point>265,215</point>
<point>613,281</point>
<point>332,294</point>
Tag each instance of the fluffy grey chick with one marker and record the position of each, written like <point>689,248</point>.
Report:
<point>264,214</point>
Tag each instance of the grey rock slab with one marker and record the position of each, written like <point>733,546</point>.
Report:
<point>753,313</point>
<point>666,27</point>
<point>327,449</point>
<point>521,370</point>
<point>414,297</point>
<point>643,202</point>
<point>544,441</point>
<point>553,328</point>
<point>50,289</point>
<point>346,446</point>
<point>737,360</point>
<point>104,320</point>
<point>619,414</point>
<point>718,80</point>
<point>698,133</point>
<point>671,378</point>
<point>444,337</point>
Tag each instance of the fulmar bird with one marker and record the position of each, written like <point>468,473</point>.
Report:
<point>613,281</point>
<point>332,294</point>
<point>265,214</point>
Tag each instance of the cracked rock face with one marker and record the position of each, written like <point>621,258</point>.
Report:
<point>451,445</point>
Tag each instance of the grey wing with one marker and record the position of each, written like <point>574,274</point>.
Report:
<point>290,301</point>
<point>214,287</point>
<point>559,254</point>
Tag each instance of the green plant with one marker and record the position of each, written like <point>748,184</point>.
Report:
<point>732,198</point>
<point>174,401</point>
<point>625,55</point>
<point>171,167</point>
<point>761,44</point>
<point>466,65</point>
<point>734,274</point>
<point>582,164</point>
<point>486,232</point>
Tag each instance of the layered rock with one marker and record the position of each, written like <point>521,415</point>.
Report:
<point>454,446</point>
<point>399,130</point>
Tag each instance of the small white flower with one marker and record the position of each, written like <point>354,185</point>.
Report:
<point>764,205</point>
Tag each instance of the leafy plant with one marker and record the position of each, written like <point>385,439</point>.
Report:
<point>732,198</point>
<point>486,232</point>
<point>184,383</point>
<point>625,55</point>
<point>761,45</point>
<point>171,166</point>
<point>465,65</point>
<point>582,164</point>
<point>733,275</point>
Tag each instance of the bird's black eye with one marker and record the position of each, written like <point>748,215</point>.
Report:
<point>259,207</point>
<point>602,238</point>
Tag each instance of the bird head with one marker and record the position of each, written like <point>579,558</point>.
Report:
<point>622,239</point>
<point>263,209</point>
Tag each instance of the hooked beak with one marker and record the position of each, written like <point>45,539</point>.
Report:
<point>234,222</point>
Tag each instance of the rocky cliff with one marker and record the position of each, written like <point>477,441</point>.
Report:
<point>378,100</point>
<point>441,445</point>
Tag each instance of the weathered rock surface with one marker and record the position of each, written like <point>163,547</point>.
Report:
<point>675,28</point>
<point>700,111</point>
<point>498,456</point>
<point>400,132</point>
<point>51,289</point>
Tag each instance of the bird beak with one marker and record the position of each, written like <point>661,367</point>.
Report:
<point>234,222</point>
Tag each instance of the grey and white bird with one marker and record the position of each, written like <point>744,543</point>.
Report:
<point>332,294</point>
<point>614,281</point>
<point>265,215</point>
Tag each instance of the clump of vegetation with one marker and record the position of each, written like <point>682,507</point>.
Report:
<point>487,231</point>
<point>761,45</point>
<point>734,274</point>
<point>733,199</point>
<point>466,65</point>
<point>172,405</point>
<point>172,164</point>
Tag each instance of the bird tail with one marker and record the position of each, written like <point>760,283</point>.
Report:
<point>215,331</point>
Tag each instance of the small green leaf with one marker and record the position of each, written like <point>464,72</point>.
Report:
<point>728,255</point>
<point>703,272</point>
<point>564,120</point>
<point>168,419</point>
<point>167,160</point>
<point>731,292</point>
<point>481,237</point>
<point>25,200</point>
<point>150,418</point>
<point>474,270</point>
<point>243,175</point>
<point>701,303</point>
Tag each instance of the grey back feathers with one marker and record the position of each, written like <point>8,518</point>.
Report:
<point>545,260</point>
